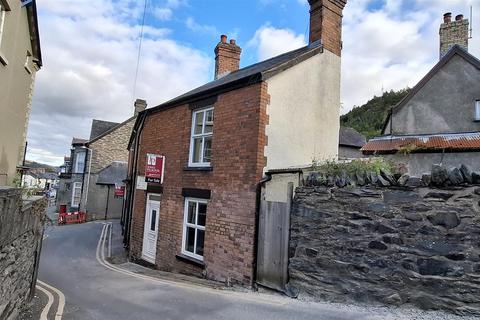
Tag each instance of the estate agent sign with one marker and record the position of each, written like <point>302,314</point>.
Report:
<point>154,168</point>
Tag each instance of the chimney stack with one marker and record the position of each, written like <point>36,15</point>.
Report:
<point>453,33</point>
<point>139,105</point>
<point>227,57</point>
<point>326,23</point>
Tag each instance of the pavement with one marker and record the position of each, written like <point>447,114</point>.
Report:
<point>75,263</point>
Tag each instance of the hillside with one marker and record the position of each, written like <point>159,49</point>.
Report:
<point>369,118</point>
<point>37,165</point>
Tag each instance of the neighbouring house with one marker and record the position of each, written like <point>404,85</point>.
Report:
<point>70,182</point>
<point>350,143</point>
<point>42,180</point>
<point>197,162</point>
<point>20,59</point>
<point>105,172</point>
<point>439,120</point>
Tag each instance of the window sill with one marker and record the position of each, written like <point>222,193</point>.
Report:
<point>3,59</point>
<point>187,259</point>
<point>198,169</point>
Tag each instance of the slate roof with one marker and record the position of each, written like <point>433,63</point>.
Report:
<point>248,75</point>
<point>469,141</point>
<point>99,127</point>
<point>237,79</point>
<point>78,141</point>
<point>350,137</point>
<point>114,173</point>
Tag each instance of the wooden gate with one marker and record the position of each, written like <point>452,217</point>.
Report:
<point>273,241</point>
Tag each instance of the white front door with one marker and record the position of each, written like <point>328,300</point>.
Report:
<point>150,231</point>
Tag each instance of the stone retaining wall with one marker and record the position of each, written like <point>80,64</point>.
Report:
<point>388,245</point>
<point>21,232</point>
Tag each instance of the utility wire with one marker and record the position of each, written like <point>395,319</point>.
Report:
<point>139,50</point>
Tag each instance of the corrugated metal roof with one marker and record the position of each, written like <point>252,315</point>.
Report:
<point>454,141</point>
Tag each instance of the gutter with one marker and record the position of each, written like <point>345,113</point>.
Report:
<point>260,184</point>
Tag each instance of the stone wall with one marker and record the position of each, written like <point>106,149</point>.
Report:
<point>416,241</point>
<point>21,232</point>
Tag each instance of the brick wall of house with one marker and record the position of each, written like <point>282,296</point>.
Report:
<point>111,147</point>
<point>237,160</point>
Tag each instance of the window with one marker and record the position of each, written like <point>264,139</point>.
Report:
<point>76,194</point>
<point>477,110</point>
<point>194,227</point>
<point>80,162</point>
<point>201,141</point>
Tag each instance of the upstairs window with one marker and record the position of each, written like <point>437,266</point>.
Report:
<point>477,110</point>
<point>80,162</point>
<point>201,138</point>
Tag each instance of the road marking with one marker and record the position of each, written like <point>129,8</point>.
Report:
<point>46,310</point>
<point>61,299</point>
<point>100,255</point>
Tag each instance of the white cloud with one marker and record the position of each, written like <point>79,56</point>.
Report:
<point>89,67</point>
<point>271,41</point>
<point>163,14</point>
<point>200,28</point>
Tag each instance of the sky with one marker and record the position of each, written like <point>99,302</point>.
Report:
<point>90,50</point>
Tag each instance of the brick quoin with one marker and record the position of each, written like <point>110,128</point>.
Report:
<point>238,161</point>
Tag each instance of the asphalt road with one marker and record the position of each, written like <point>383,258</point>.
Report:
<point>93,291</point>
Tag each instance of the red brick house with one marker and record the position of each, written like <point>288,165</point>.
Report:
<point>219,140</point>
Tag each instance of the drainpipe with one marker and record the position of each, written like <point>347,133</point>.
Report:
<point>88,179</point>
<point>108,198</point>
<point>126,238</point>
<point>260,185</point>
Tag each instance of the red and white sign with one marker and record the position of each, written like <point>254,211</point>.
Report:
<point>154,168</point>
<point>119,190</point>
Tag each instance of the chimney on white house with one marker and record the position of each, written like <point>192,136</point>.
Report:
<point>326,23</point>
<point>139,105</point>
<point>227,57</point>
<point>453,33</point>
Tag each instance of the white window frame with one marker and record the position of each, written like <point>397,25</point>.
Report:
<point>202,135</point>
<point>76,185</point>
<point>77,157</point>
<point>195,226</point>
<point>477,110</point>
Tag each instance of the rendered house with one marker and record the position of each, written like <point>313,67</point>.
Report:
<point>439,121</point>
<point>71,181</point>
<point>214,144</point>
<point>20,59</point>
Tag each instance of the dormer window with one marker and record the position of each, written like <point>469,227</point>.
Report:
<point>477,110</point>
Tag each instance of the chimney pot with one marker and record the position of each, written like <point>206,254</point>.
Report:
<point>453,33</point>
<point>139,105</point>
<point>447,17</point>
<point>227,57</point>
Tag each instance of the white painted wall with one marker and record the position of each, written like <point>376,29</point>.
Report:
<point>304,113</point>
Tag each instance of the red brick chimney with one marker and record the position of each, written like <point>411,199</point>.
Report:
<point>326,23</point>
<point>227,57</point>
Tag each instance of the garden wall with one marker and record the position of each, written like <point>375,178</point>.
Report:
<point>21,232</point>
<point>388,240</point>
